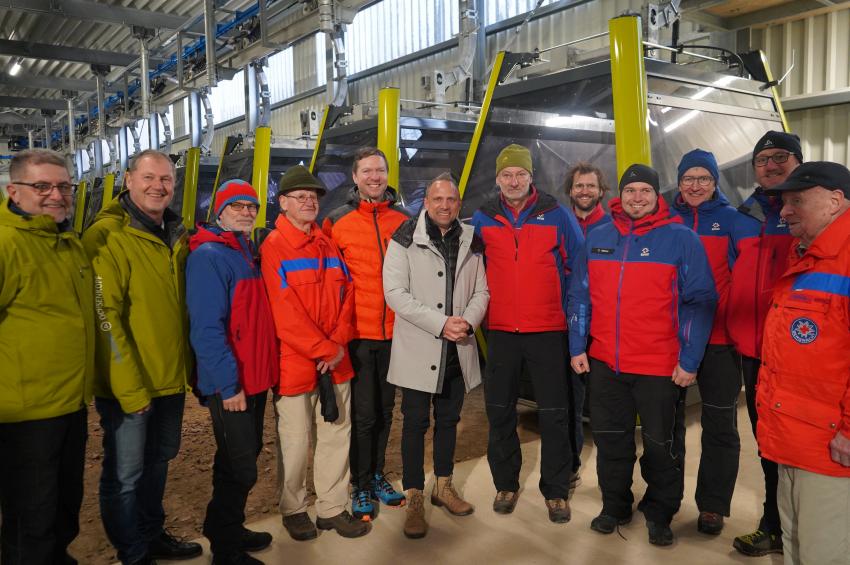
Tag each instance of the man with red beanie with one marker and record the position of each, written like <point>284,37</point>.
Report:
<point>642,291</point>
<point>723,232</point>
<point>760,263</point>
<point>232,334</point>
<point>312,301</point>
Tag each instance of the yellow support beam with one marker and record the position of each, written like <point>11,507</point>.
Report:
<point>774,91</point>
<point>629,86</point>
<point>260,173</point>
<point>190,186</point>
<point>108,190</point>
<point>216,182</point>
<point>319,140</point>
<point>80,207</point>
<point>479,125</point>
<point>389,110</point>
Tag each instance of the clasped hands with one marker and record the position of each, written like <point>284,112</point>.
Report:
<point>456,329</point>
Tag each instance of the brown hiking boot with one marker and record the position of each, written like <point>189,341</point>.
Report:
<point>505,501</point>
<point>415,526</point>
<point>559,510</point>
<point>345,525</point>
<point>300,526</point>
<point>444,494</point>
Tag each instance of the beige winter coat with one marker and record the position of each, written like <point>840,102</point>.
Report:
<point>415,288</point>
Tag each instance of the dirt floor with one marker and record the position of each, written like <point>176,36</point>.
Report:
<point>190,474</point>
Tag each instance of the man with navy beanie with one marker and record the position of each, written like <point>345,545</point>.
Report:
<point>723,232</point>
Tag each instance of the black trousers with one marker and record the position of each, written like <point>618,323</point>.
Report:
<point>719,382</point>
<point>544,355</point>
<point>770,519</point>
<point>239,439</point>
<point>416,408</point>
<point>41,488</point>
<point>615,402</point>
<point>372,403</point>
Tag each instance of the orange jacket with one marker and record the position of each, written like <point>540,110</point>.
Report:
<point>362,230</point>
<point>803,395</point>
<point>312,302</point>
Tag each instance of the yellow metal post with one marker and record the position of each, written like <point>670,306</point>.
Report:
<point>629,86</point>
<point>108,190</point>
<point>319,139</point>
<point>389,109</point>
<point>80,207</point>
<point>260,173</point>
<point>479,125</point>
<point>774,91</point>
<point>215,183</point>
<point>190,186</point>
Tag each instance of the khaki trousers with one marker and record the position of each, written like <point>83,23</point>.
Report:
<point>815,514</point>
<point>300,425</point>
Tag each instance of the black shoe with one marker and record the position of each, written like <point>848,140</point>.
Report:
<point>659,534</point>
<point>345,525</point>
<point>710,523</point>
<point>254,541</point>
<point>606,524</point>
<point>166,546</point>
<point>238,558</point>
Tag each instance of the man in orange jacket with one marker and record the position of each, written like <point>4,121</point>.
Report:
<point>312,302</point>
<point>362,229</point>
<point>803,397</point>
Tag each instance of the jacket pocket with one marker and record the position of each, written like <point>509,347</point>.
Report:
<point>819,414</point>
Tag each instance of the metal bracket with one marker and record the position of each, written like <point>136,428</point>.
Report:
<point>781,79</point>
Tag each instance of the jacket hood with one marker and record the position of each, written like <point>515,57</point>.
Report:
<point>209,233</point>
<point>717,200</point>
<point>661,217</point>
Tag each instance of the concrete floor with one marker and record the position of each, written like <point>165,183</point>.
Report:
<point>527,536</point>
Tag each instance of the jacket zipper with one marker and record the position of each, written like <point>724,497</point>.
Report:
<point>381,251</point>
<point>619,292</point>
<point>756,318</point>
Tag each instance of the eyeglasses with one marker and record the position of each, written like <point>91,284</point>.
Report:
<point>239,206</point>
<point>702,181</point>
<point>777,158</point>
<point>304,198</point>
<point>45,188</point>
<point>520,177</point>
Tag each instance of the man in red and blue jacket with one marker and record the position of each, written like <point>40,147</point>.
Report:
<point>642,290</point>
<point>585,186</point>
<point>760,264</point>
<point>233,334</point>
<point>530,244</point>
<point>723,232</point>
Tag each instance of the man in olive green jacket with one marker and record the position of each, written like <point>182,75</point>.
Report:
<point>46,362</point>
<point>138,249</point>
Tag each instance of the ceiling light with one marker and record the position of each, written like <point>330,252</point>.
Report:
<point>16,67</point>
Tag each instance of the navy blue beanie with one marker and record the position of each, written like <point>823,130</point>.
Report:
<point>699,158</point>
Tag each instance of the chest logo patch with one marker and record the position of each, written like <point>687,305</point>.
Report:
<point>540,216</point>
<point>804,330</point>
<point>644,252</point>
<point>715,226</point>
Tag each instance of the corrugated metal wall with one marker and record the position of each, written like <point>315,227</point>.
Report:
<point>820,44</point>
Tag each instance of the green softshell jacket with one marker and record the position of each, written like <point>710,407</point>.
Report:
<point>47,335</point>
<point>140,309</point>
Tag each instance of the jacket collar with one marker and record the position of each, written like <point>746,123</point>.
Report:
<point>295,237</point>
<point>209,233</point>
<point>41,224</point>
<point>831,240</point>
<point>390,199</point>
<point>595,215</point>
<point>625,225</point>
<point>421,237</point>
<point>495,207</point>
<point>717,200</point>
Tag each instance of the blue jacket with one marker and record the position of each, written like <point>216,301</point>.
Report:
<point>643,290</point>
<point>231,326</point>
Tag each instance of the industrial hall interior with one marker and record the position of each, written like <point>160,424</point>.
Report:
<point>424,281</point>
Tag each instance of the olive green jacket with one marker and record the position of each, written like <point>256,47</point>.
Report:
<point>47,335</point>
<point>140,307</point>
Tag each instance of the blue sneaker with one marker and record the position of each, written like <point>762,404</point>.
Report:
<point>382,490</point>
<point>361,506</point>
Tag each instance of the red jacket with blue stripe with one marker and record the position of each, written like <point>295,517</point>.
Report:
<point>596,218</point>
<point>529,257</point>
<point>760,263</point>
<point>724,233</point>
<point>643,290</point>
<point>231,325</point>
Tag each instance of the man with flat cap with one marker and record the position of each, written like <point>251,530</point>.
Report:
<point>803,397</point>
<point>312,303</point>
<point>642,289</point>
<point>530,244</point>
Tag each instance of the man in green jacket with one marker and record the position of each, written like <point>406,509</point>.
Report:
<point>138,250</point>
<point>46,362</point>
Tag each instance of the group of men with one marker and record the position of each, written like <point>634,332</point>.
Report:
<point>639,303</point>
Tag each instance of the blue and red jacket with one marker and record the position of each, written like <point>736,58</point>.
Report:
<point>529,257</point>
<point>231,326</point>
<point>724,233</point>
<point>596,218</point>
<point>643,290</point>
<point>761,262</point>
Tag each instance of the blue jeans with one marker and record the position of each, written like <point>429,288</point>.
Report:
<point>136,452</point>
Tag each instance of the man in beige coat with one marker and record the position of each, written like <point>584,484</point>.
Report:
<point>434,281</point>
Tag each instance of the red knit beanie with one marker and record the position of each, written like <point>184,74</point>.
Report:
<point>233,191</point>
